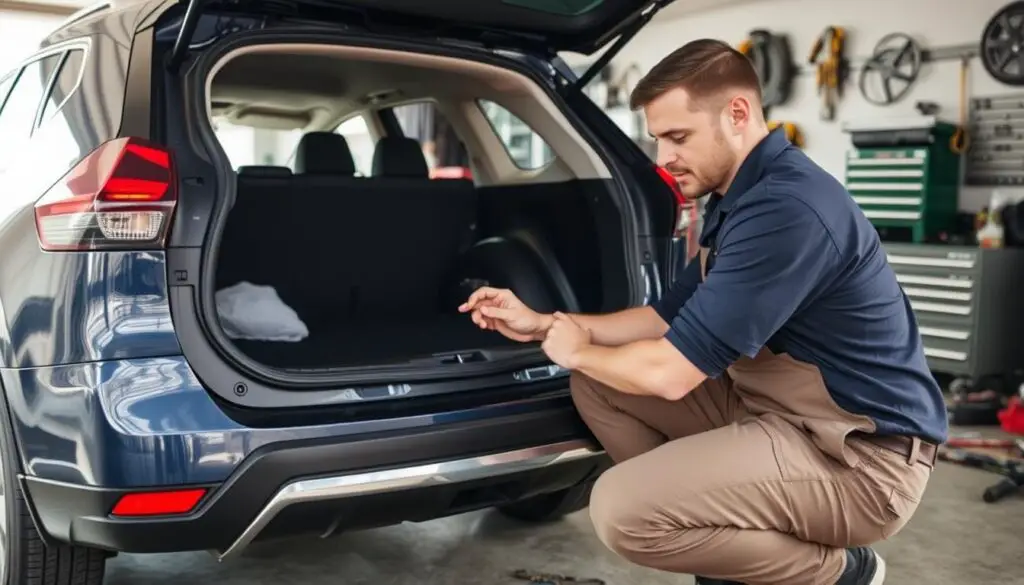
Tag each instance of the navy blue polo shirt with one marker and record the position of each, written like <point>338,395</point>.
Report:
<point>797,267</point>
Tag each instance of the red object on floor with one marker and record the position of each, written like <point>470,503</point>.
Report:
<point>1011,418</point>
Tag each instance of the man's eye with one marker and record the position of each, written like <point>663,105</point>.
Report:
<point>678,139</point>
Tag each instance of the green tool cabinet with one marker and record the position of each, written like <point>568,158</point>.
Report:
<point>907,179</point>
<point>969,304</point>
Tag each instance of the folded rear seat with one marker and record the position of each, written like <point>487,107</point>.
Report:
<point>342,249</point>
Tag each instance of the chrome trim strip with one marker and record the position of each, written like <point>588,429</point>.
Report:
<point>388,480</point>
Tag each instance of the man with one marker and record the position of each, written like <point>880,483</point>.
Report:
<point>773,415</point>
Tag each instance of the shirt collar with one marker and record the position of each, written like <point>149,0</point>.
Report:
<point>753,167</point>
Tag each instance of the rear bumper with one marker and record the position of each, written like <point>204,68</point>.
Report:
<point>324,486</point>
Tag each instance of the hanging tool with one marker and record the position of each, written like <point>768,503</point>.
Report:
<point>773,61</point>
<point>1002,45</point>
<point>552,579</point>
<point>832,70</point>
<point>960,141</point>
<point>791,130</point>
<point>896,62</point>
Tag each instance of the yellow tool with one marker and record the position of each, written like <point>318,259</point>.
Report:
<point>832,69</point>
<point>960,141</point>
<point>792,131</point>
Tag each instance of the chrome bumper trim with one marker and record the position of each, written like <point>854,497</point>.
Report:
<point>445,472</point>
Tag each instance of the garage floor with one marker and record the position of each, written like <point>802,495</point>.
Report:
<point>955,539</point>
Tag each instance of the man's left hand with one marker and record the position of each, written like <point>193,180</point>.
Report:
<point>565,339</point>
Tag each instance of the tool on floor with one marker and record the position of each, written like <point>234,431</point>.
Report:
<point>832,70</point>
<point>1011,469</point>
<point>896,63</point>
<point>552,579</point>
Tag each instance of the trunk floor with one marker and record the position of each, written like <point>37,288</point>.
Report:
<point>355,344</point>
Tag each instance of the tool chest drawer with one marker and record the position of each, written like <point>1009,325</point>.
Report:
<point>967,302</point>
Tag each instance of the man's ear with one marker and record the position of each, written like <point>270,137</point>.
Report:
<point>739,111</point>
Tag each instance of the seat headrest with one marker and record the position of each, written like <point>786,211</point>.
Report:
<point>324,153</point>
<point>264,171</point>
<point>397,156</point>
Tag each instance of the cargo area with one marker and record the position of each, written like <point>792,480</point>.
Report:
<point>374,259</point>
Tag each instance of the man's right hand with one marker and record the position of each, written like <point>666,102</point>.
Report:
<point>500,310</point>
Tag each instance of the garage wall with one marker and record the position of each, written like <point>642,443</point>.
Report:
<point>20,34</point>
<point>933,23</point>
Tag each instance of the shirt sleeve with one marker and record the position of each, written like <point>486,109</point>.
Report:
<point>682,289</point>
<point>775,255</point>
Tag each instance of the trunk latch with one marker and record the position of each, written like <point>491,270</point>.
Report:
<point>538,373</point>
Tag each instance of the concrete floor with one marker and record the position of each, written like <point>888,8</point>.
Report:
<point>955,539</point>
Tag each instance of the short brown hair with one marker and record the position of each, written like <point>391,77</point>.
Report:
<point>704,68</point>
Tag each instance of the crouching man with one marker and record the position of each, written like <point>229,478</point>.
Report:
<point>773,414</point>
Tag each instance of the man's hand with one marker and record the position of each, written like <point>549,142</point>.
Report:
<point>499,310</point>
<point>564,341</point>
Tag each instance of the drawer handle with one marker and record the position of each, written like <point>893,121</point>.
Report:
<point>879,200</point>
<point>875,214</point>
<point>934,281</point>
<point>944,333</point>
<point>925,261</point>
<point>884,162</point>
<point>857,186</point>
<point>937,294</point>
<point>885,174</point>
<point>940,308</point>
<point>946,354</point>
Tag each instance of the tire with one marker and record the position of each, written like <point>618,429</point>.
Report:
<point>25,559</point>
<point>550,507</point>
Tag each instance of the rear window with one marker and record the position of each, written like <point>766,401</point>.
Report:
<point>524,146</point>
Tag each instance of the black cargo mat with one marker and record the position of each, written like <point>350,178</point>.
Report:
<point>357,344</point>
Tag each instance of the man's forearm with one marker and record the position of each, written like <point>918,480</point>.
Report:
<point>645,368</point>
<point>619,328</point>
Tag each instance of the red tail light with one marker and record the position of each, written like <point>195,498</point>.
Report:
<point>686,210</point>
<point>122,195</point>
<point>158,503</point>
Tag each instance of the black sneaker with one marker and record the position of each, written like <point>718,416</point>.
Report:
<point>863,567</point>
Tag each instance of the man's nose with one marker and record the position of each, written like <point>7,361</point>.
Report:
<point>665,155</point>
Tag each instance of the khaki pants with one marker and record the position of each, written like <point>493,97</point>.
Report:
<point>728,484</point>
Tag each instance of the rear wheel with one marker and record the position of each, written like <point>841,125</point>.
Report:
<point>550,507</point>
<point>24,559</point>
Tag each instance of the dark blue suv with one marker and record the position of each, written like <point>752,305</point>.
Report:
<point>136,418</point>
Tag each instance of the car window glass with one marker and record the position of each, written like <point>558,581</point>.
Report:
<point>248,145</point>
<point>360,141</point>
<point>19,113</point>
<point>526,148</point>
<point>441,145</point>
<point>65,83</point>
<point>5,86</point>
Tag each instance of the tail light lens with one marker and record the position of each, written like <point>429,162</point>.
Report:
<point>122,195</point>
<point>687,224</point>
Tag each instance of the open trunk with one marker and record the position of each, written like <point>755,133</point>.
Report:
<point>376,266</point>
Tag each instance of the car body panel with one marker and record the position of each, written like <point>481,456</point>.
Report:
<point>150,422</point>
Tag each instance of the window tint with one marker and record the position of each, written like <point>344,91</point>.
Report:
<point>424,122</point>
<point>65,83</point>
<point>19,113</point>
<point>526,147</point>
<point>360,142</point>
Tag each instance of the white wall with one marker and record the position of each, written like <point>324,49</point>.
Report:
<point>20,34</point>
<point>933,23</point>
